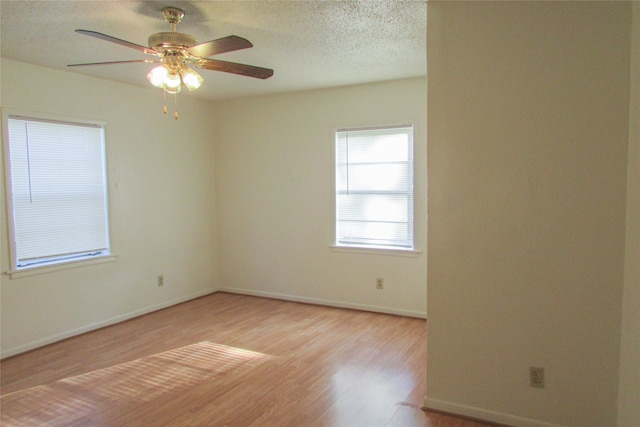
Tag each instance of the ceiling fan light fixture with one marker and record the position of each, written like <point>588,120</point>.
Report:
<point>191,79</point>
<point>176,51</point>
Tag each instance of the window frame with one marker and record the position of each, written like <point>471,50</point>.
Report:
<point>336,246</point>
<point>58,263</point>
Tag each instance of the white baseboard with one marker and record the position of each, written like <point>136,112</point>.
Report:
<point>97,325</point>
<point>482,414</point>
<point>330,303</point>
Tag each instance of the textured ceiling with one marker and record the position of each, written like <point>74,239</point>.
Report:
<point>309,44</point>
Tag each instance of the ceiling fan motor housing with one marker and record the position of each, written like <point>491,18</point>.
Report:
<point>171,40</point>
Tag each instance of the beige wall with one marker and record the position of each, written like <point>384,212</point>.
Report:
<point>277,158</point>
<point>528,131</point>
<point>162,209</point>
<point>274,176</point>
<point>629,397</point>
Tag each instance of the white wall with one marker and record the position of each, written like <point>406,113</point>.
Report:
<point>274,178</point>
<point>528,131</point>
<point>162,208</point>
<point>629,396</point>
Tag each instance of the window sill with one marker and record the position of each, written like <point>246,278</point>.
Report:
<point>16,274</point>
<point>376,251</point>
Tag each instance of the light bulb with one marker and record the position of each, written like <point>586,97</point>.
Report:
<point>172,83</point>
<point>191,79</point>
<point>157,75</point>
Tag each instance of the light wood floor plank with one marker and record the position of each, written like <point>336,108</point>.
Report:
<point>229,360</point>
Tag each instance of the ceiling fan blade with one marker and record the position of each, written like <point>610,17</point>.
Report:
<point>235,68</point>
<point>121,42</point>
<point>218,46</point>
<point>113,62</point>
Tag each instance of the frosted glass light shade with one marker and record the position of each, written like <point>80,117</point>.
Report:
<point>157,76</point>
<point>172,83</point>
<point>191,79</point>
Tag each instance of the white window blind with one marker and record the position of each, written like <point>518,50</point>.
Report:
<point>374,187</point>
<point>58,191</point>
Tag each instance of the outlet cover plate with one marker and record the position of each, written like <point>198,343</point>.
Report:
<point>536,377</point>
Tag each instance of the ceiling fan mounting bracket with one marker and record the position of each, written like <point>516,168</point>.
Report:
<point>172,15</point>
<point>171,41</point>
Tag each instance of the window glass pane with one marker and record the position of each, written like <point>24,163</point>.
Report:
<point>371,177</point>
<point>374,207</point>
<point>375,234</point>
<point>369,146</point>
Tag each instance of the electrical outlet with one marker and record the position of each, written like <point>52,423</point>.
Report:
<point>379,283</point>
<point>161,280</point>
<point>536,377</point>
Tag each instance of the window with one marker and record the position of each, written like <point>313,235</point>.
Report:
<point>56,192</point>
<point>374,187</point>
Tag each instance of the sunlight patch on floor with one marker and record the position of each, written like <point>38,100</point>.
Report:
<point>85,396</point>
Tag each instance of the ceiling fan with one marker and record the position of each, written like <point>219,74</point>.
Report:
<point>175,51</point>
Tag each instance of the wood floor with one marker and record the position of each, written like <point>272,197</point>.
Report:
<point>229,360</point>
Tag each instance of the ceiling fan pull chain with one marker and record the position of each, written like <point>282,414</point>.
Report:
<point>175,103</point>
<point>164,99</point>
